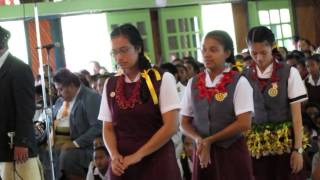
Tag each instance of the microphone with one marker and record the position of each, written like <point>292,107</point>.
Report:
<point>11,135</point>
<point>49,46</point>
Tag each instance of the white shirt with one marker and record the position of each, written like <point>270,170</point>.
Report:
<point>95,171</point>
<point>181,88</point>
<point>190,164</point>
<point>296,86</point>
<point>4,57</point>
<point>242,98</point>
<point>311,81</point>
<point>178,144</point>
<point>65,121</point>
<point>168,96</point>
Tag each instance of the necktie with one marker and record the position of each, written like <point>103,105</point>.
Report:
<point>65,111</point>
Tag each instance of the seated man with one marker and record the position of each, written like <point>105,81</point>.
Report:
<point>75,125</point>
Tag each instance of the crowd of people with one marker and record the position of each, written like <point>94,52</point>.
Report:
<point>253,115</point>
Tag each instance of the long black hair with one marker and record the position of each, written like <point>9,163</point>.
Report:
<point>132,34</point>
<point>223,38</point>
<point>260,34</point>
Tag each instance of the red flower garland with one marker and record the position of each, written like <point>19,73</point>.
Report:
<point>205,92</point>
<point>122,101</point>
<point>263,82</point>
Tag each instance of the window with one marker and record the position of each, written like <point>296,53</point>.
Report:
<point>183,37</point>
<point>278,20</point>
<point>181,32</point>
<point>211,19</point>
<point>85,39</point>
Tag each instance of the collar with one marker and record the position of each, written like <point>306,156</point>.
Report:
<point>311,81</point>
<point>75,97</point>
<point>97,172</point>
<point>4,57</point>
<point>266,74</point>
<point>127,80</point>
<point>211,83</point>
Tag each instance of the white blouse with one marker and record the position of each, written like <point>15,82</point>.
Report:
<point>168,96</point>
<point>312,82</point>
<point>242,98</point>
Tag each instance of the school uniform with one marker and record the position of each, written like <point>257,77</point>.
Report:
<point>272,105</point>
<point>213,115</point>
<point>134,126</point>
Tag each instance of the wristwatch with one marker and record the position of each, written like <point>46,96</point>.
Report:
<point>298,150</point>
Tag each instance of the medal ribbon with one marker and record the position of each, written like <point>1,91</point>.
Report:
<point>145,75</point>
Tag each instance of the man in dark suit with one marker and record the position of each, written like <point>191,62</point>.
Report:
<point>76,124</point>
<point>18,154</point>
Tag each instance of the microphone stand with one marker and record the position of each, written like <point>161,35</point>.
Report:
<point>48,115</point>
<point>11,136</point>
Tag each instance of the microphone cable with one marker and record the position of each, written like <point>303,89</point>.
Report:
<point>15,171</point>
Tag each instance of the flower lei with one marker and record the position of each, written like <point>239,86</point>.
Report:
<point>271,139</point>
<point>122,101</point>
<point>205,92</point>
<point>274,77</point>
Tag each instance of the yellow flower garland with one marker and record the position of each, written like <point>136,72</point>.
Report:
<point>271,139</point>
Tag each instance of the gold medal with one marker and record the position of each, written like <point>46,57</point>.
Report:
<point>220,96</point>
<point>112,94</point>
<point>273,91</point>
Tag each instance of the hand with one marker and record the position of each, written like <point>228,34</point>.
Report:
<point>204,156</point>
<point>198,146</point>
<point>21,154</point>
<point>68,145</point>
<point>117,164</point>
<point>132,159</point>
<point>296,162</point>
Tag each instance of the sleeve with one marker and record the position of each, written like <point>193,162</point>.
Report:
<point>168,98</point>
<point>24,97</point>
<point>243,97</point>
<point>296,89</point>
<point>105,113</point>
<point>91,109</point>
<point>186,108</point>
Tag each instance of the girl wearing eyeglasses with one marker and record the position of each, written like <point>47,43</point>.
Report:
<point>139,109</point>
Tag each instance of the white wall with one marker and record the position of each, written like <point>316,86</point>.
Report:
<point>18,41</point>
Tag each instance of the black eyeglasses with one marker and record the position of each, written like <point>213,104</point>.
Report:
<point>121,51</point>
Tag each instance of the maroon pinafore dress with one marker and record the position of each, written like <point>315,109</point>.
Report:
<point>133,128</point>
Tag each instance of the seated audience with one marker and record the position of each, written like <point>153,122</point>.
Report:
<point>312,82</point>
<point>101,161</point>
<point>75,125</point>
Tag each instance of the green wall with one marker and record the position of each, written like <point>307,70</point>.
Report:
<point>88,6</point>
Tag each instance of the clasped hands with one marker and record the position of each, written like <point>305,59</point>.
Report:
<point>203,148</point>
<point>119,163</point>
